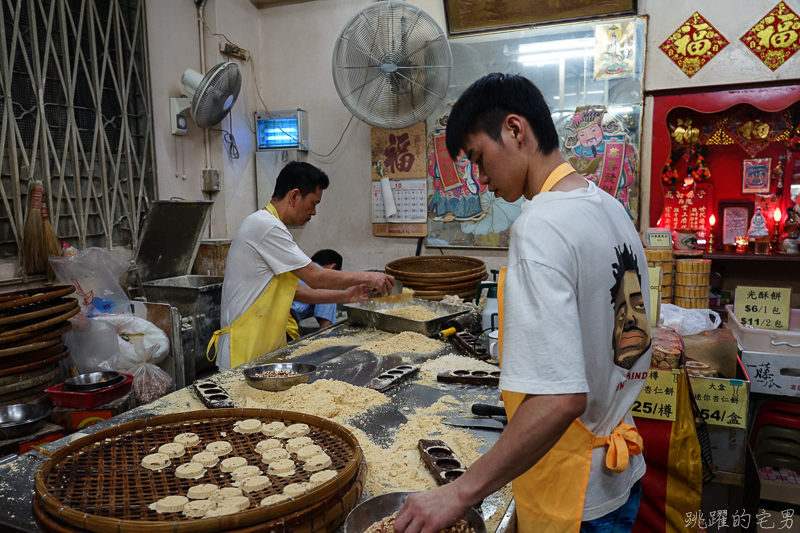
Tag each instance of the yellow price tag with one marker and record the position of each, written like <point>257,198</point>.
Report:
<point>657,399</point>
<point>655,294</point>
<point>659,239</point>
<point>763,307</point>
<point>722,402</point>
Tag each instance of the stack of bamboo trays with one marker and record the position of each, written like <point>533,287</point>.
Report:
<point>691,283</point>
<point>433,277</point>
<point>665,260</point>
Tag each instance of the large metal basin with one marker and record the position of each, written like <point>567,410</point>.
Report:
<point>368,314</point>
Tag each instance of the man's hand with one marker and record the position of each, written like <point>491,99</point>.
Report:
<point>357,293</point>
<point>381,283</point>
<point>431,511</point>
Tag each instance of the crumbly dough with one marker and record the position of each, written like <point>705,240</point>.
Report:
<point>187,439</point>
<point>273,428</point>
<point>172,449</point>
<point>219,447</point>
<point>170,504</point>
<point>248,426</point>
<point>202,491</point>
<point>232,463</point>
<point>198,508</point>
<point>294,490</point>
<point>296,444</point>
<point>275,498</point>
<point>269,444</point>
<point>245,472</point>
<point>253,484</point>
<point>190,470</point>
<point>275,454</point>
<point>222,510</point>
<point>293,431</point>
<point>281,468</point>
<point>321,477</point>
<point>240,503</point>
<point>307,452</point>
<point>318,462</point>
<point>156,461</point>
<point>225,493</point>
<point>206,459</point>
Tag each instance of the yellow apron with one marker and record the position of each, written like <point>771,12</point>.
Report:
<point>549,497</point>
<point>262,328</point>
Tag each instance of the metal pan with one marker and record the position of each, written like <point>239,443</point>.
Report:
<point>22,419</point>
<point>369,314</point>
<point>94,381</point>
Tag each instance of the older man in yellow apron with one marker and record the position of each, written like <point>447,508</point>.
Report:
<point>263,267</point>
<point>574,334</point>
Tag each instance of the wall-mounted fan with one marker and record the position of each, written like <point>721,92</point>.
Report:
<point>392,65</point>
<point>212,96</point>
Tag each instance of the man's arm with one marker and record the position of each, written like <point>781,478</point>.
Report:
<point>537,425</point>
<point>307,295</point>
<point>325,278</point>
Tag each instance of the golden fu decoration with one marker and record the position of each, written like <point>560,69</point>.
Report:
<point>774,38</point>
<point>693,44</point>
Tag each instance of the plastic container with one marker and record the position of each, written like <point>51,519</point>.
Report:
<point>88,400</point>
<point>767,340</point>
<point>489,316</point>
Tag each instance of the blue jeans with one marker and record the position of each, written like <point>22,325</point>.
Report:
<point>619,521</point>
<point>326,311</point>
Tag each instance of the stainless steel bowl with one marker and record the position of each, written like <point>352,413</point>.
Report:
<point>367,513</point>
<point>22,419</point>
<point>279,384</point>
<point>94,381</point>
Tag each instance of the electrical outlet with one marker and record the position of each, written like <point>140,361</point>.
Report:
<point>210,180</point>
<point>234,51</point>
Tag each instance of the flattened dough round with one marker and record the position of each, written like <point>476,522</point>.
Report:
<point>156,461</point>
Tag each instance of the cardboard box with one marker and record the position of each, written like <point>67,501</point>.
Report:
<point>71,419</point>
<point>773,373</point>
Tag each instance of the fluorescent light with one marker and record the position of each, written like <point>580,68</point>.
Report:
<point>554,46</point>
<point>556,98</point>
<point>595,92</point>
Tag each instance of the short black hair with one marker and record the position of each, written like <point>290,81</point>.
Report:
<point>301,176</point>
<point>328,257</point>
<point>486,104</point>
<point>626,261</point>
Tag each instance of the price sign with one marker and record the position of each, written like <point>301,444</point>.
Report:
<point>763,307</point>
<point>655,294</point>
<point>659,238</point>
<point>658,397</point>
<point>722,402</point>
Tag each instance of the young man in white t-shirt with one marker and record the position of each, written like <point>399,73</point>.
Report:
<point>575,330</point>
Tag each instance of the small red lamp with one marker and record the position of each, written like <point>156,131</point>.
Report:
<point>712,220</point>
<point>777,215</point>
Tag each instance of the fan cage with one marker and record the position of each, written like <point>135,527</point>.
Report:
<point>216,94</point>
<point>392,65</point>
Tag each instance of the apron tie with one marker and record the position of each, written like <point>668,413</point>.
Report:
<point>215,341</point>
<point>623,442</point>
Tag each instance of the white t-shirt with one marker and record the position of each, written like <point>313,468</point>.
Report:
<point>262,249</point>
<point>559,319</point>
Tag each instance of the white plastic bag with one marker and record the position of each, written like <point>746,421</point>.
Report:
<point>689,321</point>
<point>93,344</point>
<point>95,273</point>
<point>149,382</point>
<point>153,340</point>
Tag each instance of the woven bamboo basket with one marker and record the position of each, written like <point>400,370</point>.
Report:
<point>96,483</point>
<point>435,266</point>
<point>470,285</point>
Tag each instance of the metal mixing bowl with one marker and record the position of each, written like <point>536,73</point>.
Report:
<point>279,384</point>
<point>22,419</point>
<point>379,507</point>
<point>94,381</point>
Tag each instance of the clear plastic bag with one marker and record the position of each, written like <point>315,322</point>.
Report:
<point>689,321</point>
<point>95,274</point>
<point>93,344</point>
<point>143,336</point>
<point>149,382</point>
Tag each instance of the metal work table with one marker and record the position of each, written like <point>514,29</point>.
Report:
<point>352,366</point>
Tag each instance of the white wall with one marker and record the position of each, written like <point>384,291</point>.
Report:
<point>735,64</point>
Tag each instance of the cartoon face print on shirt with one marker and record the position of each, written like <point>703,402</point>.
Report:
<point>631,336</point>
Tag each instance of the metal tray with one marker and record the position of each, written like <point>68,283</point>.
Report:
<point>368,314</point>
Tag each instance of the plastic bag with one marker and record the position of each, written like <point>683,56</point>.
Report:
<point>95,273</point>
<point>93,344</point>
<point>689,321</point>
<point>143,335</point>
<point>149,382</point>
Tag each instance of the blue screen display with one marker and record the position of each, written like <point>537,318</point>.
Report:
<point>278,133</point>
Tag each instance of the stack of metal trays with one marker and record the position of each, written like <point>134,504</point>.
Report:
<point>32,325</point>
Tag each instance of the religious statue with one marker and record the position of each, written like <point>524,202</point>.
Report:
<point>791,232</point>
<point>758,225</point>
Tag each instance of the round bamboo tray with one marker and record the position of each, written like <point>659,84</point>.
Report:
<point>10,333</point>
<point>55,332</point>
<point>97,483</point>
<point>41,310</point>
<point>26,380</point>
<point>29,395</point>
<point>455,287</point>
<point>325,516</point>
<point>27,348</point>
<point>478,276</point>
<point>11,300</point>
<point>435,266</point>
<point>29,361</point>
